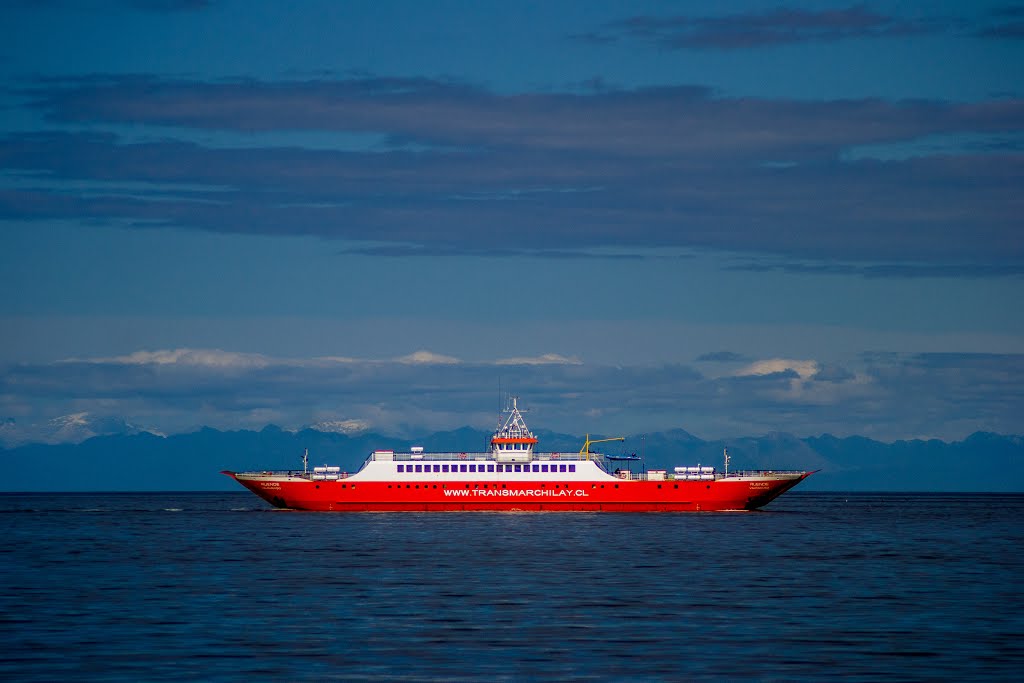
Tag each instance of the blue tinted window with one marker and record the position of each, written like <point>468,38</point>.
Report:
<point>561,468</point>
<point>472,468</point>
<point>444,468</point>
<point>572,468</point>
<point>490,468</point>
<point>543,468</point>
<point>437,468</point>
<point>519,468</point>
<point>401,468</point>
<point>462,468</point>
<point>419,468</point>
<point>536,468</point>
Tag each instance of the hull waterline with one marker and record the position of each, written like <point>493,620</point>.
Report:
<point>743,493</point>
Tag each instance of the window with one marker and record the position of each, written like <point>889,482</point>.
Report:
<point>572,468</point>
<point>437,468</point>
<point>543,468</point>
<point>462,468</point>
<point>401,468</point>
<point>561,468</point>
<point>536,468</point>
<point>519,468</point>
<point>472,468</point>
<point>490,468</point>
<point>419,468</point>
<point>444,468</point>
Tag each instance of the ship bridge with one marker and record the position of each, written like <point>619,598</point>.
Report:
<point>513,441</point>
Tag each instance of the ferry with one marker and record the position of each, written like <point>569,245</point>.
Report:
<point>514,476</point>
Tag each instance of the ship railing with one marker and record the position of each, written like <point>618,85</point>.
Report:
<point>471,457</point>
<point>760,473</point>
<point>301,474</point>
<point>704,476</point>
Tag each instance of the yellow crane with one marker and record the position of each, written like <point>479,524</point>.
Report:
<point>586,445</point>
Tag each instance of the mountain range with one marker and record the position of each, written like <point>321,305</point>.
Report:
<point>135,460</point>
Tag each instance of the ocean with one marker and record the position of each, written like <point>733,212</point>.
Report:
<point>219,587</point>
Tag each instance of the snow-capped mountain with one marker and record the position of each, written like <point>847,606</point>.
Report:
<point>71,428</point>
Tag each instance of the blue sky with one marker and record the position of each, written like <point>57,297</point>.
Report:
<point>733,218</point>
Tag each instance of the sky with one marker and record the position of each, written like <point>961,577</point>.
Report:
<point>733,218</point>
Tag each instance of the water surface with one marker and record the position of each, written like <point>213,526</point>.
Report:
<point>218,586</point>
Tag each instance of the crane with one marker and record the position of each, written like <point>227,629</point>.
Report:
<point>586,445</point>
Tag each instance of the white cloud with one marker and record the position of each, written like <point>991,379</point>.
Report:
<point>428,358</point>
<point>191,357</point>
<point>338,359</point>
<point>894,396</point>
<point>806,369</point>
<point>546,359</point>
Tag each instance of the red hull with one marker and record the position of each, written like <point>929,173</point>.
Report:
<point>621,496</point>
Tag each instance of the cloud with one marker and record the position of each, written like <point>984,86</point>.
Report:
<point>545,359</point>
<point>887,270</point>
<point>885,396</point>
<point>106,6</point>
<point>1005,23</point>
<point>745,30</point>
<point>428,358</point>
<point>805,369</point>
<point>214,358</point>
<point>721,357</point>
<point>568,174</point>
